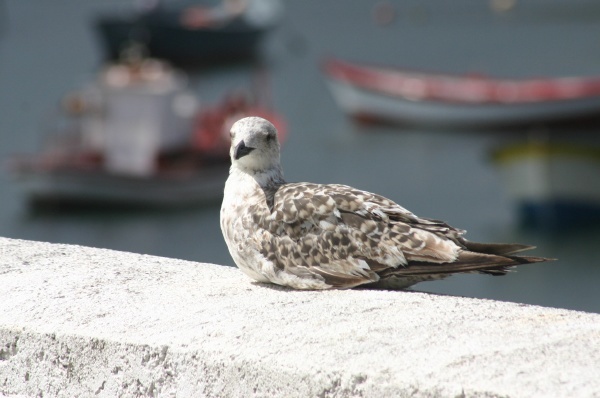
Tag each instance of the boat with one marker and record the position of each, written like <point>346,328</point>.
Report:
<point>384,94</point>
<point>136,136</point>
<point>193,33</point>
<point>552,183</point>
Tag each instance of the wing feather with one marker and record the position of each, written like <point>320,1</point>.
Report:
<point>326,223</point>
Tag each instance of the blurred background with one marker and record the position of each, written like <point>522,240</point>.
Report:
<point>113,115</point>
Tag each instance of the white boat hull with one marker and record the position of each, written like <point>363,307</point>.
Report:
<point>372,105</point>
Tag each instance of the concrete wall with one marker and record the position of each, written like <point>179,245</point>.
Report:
<point>84,322</point>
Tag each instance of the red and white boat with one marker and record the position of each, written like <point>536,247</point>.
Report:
<point>385,94</point>
<point>136,136</point>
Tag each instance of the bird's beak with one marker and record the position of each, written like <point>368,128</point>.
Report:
<point>241,150</point>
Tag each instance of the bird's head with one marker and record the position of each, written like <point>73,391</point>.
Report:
<point>254,145</point>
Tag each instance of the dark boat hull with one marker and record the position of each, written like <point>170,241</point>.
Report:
<point>179,44</point>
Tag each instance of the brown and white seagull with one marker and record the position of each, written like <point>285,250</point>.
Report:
<point>323,236</point>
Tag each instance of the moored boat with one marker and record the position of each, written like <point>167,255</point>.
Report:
<point>552,183</point>
<point>136,137</point>
<point>385,94</point>
<point>194,33</point>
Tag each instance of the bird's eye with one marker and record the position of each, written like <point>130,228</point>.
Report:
<point>269,137</point>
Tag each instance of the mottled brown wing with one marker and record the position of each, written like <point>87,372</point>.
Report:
<point>346,235</point>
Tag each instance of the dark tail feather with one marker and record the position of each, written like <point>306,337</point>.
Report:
<point>467,262</point>
<point>501,249</point>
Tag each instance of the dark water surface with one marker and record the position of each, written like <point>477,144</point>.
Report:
<point>48,48</point>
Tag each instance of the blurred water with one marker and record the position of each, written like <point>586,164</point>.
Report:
<point>48,48</point>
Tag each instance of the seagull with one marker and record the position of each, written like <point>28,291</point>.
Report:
<point>330,236</point>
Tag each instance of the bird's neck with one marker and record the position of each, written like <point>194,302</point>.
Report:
<point>267,178</point>
<point>243,185</point>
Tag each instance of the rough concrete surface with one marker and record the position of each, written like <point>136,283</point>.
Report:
<point>85,322</point>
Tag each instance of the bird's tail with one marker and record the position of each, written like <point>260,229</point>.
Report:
<point>501,249</point>
<point>467,261</point>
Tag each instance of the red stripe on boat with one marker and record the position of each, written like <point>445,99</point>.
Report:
<point>467,89</point>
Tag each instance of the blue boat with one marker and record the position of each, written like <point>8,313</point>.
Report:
<point>192,34</point>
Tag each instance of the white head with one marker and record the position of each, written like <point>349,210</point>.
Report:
<point>254,145</point>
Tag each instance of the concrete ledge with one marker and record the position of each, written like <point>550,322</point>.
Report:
<point>77,321</point>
